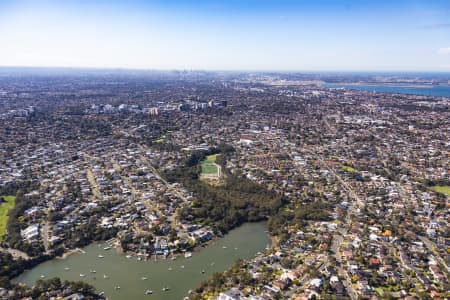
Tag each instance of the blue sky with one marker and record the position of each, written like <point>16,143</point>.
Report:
<point>383,35</point>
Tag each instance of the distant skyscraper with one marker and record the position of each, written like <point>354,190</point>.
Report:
<point>154,111</point>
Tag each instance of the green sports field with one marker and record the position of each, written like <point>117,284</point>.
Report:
<point>443,189</point>
<point>5,207</point>
<point>208,165</point>
<point>349,169</point>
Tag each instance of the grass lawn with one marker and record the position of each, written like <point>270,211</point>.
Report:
<point>208,165</point>
<point>380,291</point>
<point>212,157</point>
<point>349,169</point>
<point>160,140</point>
<point>5,207</point>
<point>443,189</point>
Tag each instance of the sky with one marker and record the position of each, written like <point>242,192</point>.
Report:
<point>263,35</point>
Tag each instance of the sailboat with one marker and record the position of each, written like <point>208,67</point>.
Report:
<point>148,292</point>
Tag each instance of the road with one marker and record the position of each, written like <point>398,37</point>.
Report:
<point>156,173</point>
<point>173,217</point>
<point>339,237</point>
<point>335,247</point>
<point>428,243</point>
<point>45,238</point>
<point>432,247</point>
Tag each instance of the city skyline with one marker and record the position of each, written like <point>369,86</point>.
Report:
<point>233,35</point>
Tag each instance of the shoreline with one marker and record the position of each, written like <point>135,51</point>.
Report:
<point>119,250</point>
<point>68,253</point>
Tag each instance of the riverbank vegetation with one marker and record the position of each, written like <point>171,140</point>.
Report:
<point>227,206</point>
<point>54,289</point>
<point>237,275</point>
<point>11,267</point>
<point>315,211</point>
<point>13,238</point>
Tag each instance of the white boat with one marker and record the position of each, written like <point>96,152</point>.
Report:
<point>82,275</point>
<point>188,255</point>
<point>148,292</point>
<point>182,267</point>
<point>224,247</point>
<point>105,276</point>
<point>93,271</point>
<point>144,278</point>
<point>67,269</point>
<point>166,289</point>
<point>107,248</point>
<point>128,256</point>
<point>42,276</point>
<point>203,271</point>
<point>170,269</point>
<point>117,287</point>
<point>100,256</point>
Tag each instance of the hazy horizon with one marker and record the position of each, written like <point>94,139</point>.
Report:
<point>120,69</point>
<point>266,35</point>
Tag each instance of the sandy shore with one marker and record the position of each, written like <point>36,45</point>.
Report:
<point>69,253</point>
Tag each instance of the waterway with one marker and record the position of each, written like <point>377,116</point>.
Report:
<point>432,90</point>
<point>179,275</point>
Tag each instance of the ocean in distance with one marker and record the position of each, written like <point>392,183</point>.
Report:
<point>423,90</point>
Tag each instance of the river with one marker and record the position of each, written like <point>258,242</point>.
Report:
<point>178,275</point>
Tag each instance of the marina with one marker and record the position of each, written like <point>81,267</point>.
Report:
<point>164,279</point>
